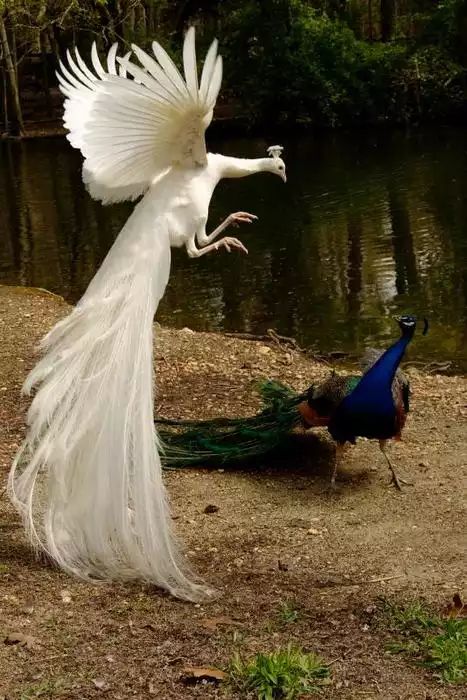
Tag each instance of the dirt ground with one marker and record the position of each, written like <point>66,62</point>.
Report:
<point>275,538</point>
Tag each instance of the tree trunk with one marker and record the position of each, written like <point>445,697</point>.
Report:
<point>53,44</point>
<point>45,72</point>
<point>388,16</point>
<point>4,91</point>
<point>141,24</point>
<point>151,20</point>
<point>12,78</point>
<point>117,13</point>
<point>130,26</point>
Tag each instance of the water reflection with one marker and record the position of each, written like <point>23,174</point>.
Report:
<point>368,225</point>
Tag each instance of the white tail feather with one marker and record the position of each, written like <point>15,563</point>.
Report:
<point>88,479</point>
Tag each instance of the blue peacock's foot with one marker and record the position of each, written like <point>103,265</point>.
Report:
<point>397,481</point>
<point>331,489</point>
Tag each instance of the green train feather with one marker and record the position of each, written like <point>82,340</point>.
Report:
<point>223,441</point>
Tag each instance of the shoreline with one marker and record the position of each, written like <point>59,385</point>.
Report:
<point>241,126</point>
<point>339,360</point>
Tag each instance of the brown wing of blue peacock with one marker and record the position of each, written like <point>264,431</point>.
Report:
<point>323,399</point>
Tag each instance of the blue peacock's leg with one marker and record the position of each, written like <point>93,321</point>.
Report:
<point>396,480</point>
<point>331,487</point>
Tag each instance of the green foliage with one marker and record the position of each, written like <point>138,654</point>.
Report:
<point>287,62</point>
<point>434,85</point>
<point>438,644</point>
<point>288,612</point>
<point>49,688</point>
<point>447,27</point>
<point>286,673</point>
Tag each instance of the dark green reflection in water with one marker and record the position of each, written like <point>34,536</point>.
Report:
<point>368,225</point>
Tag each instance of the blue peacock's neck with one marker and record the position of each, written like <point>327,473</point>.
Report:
<point>380,376</point>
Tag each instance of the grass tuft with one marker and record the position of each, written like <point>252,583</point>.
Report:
<point>45,689</point>
<point>436,643</point>
<point>288,612</point>
<point>283,674</point>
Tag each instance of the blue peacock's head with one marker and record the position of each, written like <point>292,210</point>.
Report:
<point>408,324</point>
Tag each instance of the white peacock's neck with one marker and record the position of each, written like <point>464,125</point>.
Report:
<point>241,167</point>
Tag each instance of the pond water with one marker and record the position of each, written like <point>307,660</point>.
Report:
<point>368,225</point>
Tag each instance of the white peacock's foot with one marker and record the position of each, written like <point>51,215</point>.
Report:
<point>228,243</point>
<point>241,217</point>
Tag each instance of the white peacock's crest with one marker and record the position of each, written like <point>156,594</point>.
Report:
<point>275,151</point>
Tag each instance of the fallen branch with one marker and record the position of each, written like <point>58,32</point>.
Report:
<point>281,340</point>
<point>248,336</point>
<point>285,342</point>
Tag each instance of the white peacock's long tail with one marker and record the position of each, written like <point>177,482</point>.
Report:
<point>87,479</point>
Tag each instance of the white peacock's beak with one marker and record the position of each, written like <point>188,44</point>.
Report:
<point>284,177</point>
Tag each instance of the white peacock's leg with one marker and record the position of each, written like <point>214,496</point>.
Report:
<point>228,243</point>
<point>236,218</point>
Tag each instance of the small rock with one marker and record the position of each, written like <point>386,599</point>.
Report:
<point>313,531</point>
<point>100,684</point>
<point>211,508</point>
<point>300,522</point>
<point>65,596</point>
<point>264,350</point>
<point>187,330</point>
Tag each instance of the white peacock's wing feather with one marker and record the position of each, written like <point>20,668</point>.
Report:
<point>132,122</point>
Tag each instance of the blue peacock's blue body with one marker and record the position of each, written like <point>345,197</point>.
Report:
<point>369,410</point>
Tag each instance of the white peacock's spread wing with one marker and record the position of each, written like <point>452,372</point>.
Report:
<point>131,129</point>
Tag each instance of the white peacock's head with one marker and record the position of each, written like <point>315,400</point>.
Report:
<point>277,165</point>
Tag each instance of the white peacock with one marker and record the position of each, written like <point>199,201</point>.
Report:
<point>87,479</point>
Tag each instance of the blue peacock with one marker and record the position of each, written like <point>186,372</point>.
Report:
<point>373,404</point>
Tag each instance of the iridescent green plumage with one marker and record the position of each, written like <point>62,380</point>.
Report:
<point>222,441</point>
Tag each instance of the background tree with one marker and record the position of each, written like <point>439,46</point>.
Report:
<point>323,62</point>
